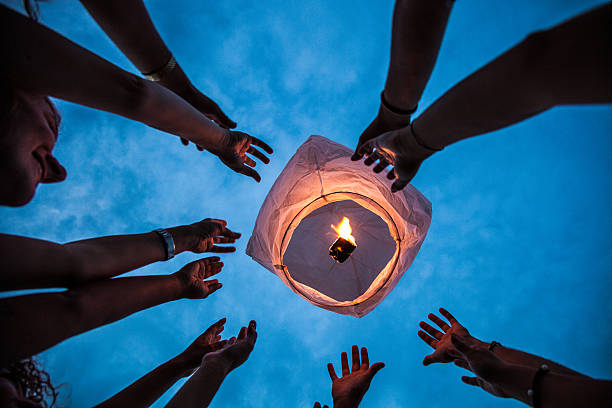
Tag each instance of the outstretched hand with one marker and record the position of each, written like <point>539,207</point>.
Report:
<point>399,149</point>
<point>233,152</point>
<point>192,275</point>
<point>348,390</point>
<point>205,343</point>
<point>236,350</point>
<point>477,358</point>
<point>444,351</point>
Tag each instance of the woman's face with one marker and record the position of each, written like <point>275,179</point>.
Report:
<point>26,148</point>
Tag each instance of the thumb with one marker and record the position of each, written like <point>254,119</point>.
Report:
<point>375,368</point>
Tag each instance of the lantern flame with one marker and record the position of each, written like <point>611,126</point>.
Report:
<point>344,230</point>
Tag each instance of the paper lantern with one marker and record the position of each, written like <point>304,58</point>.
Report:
<point>293,235</point>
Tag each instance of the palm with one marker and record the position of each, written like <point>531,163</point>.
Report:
<point>234,149</point>
<point>193,274</point>
<point>210,232</point>
<point>349,389</point>
<point>444,351</point>
<point>236,350</point>
<point>206,342</point>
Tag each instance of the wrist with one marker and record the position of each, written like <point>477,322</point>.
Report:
<point>346,402</point>
<point>181,365</point>
<point>183,238</point>
<point>217,364</point>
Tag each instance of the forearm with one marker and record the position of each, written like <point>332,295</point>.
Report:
<point>129,26</point>
<point>568,64</point>
<point>200,389</point>
<point>47,63</point>
<point>39,321</point>
<point>417,32</point>
<point>146,390</point>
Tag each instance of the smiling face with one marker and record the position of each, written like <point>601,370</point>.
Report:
<point>28,136</point>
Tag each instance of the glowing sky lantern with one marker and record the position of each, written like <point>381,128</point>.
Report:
<point>320,186</point>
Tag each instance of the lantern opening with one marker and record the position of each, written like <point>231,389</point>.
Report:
<point>344,246</point>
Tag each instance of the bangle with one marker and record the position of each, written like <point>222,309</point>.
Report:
<point>493,345</point>
<point>421,142</point>
<point>532,392</point>
<point>395,110</point>
<point>168,242</point>
<point>159,74</point>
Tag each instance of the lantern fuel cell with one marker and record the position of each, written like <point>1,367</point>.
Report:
<point>341,249</point>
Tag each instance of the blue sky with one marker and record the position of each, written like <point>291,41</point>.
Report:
<point>518,249</point>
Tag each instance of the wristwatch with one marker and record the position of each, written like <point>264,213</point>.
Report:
<point>166,238</point>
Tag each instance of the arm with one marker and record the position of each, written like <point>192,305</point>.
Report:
<point>33,323</point>
<point>201,388</point>
<point>146,390</point>
<point>129,26</point>
<point>514,381</point>
<point>416,35</point>
<point>47,63</point>
<point>444,350</point>
<point>567,64</point>
<point>49,264</point>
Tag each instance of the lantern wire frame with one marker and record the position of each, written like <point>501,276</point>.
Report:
<point>328,199</point>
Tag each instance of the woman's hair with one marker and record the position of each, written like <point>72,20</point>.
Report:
<point>33,381</point>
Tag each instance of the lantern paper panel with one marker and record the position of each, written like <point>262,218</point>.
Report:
<point>293,232</point>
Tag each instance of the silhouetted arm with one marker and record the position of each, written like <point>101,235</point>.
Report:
<point>128,24</point>
<point>146,390</point>
<point>33,323</point>
<point>201,388</point>
<point>32,263</point>
<point>416,35</point>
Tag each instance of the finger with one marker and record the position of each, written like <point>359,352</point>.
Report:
<point>365,360</point>
<point>436,334</point>
<point>471,380</point>
<point>200,148</point>
<point>252,332</point>
<point>249,162</point>
<point>317,405</point>
<point>210,259</point>
<point>371,159</point>
<point>427,339</point>
<point>344,361</point>
<point>430,359</point>
<point>382,164</point>
<point>213,270</point>
<point>223,119</point>
<point>332,372</point>
<point>462,363</point>
<point>224,240</point>
<point>212,286</point>
<point>399,185</point>
<point>355,358</point>
<point>184,141</point>
<point>364,149</point>
<point>219,323</point>
<point>376,367</point>
<point>258,154</point>
<point>247,171</point>
<point>391,174</point>
<point>226,232</point>
<point>242,333</point>
<point>448,316</point>
<point>222,249</point>
<point>262,144</point>
<point>441,323</point>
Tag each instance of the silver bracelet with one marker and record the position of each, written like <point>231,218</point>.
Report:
<point>159,74</point>
<point>168,242</point>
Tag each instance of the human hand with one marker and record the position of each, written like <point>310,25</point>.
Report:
<point>348,390</point>
<point>205,343</point>
<point>202,236</point>
<point>384,122</point>
<point>235,351</point>
<point>233,152</point>
<point>318,405</point>
<point>476,357</point>
<point>192,275</point>
<point>441,341</point>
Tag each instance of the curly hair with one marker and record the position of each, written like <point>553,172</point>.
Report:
<point>33,380</point>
